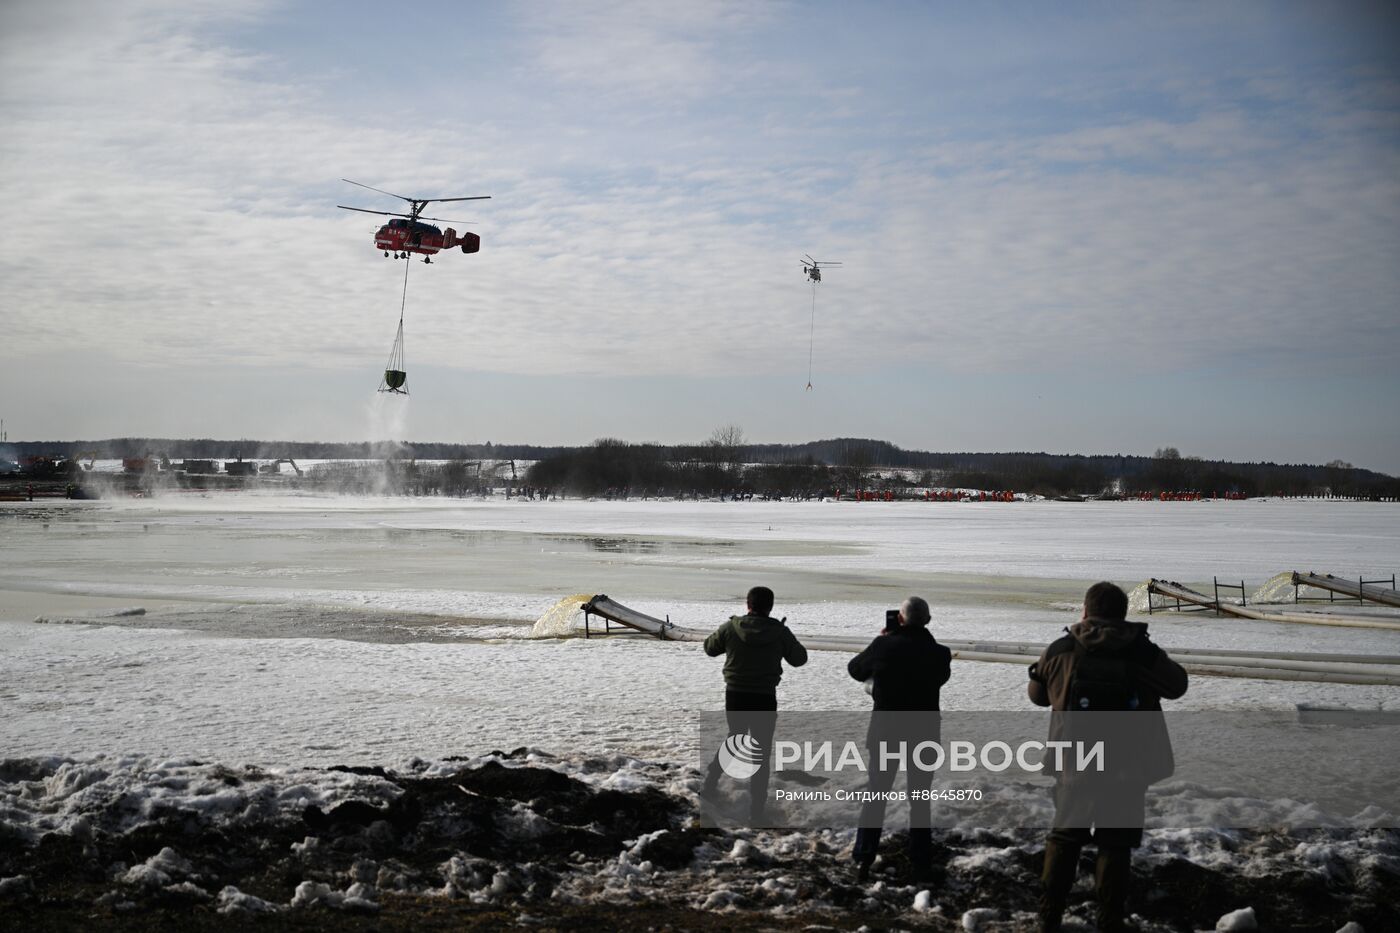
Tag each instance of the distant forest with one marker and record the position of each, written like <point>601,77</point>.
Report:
<point>727,464</point>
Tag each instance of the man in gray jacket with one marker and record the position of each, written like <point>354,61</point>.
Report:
<point>755,645</point>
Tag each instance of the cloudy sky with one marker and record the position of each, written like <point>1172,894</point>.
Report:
<point>1093,228</point>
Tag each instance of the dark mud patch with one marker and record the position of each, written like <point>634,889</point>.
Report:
<point>491,836</point>
<point>503,844</point>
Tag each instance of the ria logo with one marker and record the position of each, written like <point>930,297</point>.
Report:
<point>740,756</point>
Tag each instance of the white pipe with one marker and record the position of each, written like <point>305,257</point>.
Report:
<point>1034,649</point>
<point>1355,590</point>
<point>1221,663</point>
<point>1374,680</point>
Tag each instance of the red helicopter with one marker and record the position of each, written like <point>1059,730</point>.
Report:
<point>410,235</point>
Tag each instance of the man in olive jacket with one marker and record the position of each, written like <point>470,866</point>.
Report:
<point>906,667</point>
<point>755,645</point>
<point>1108,664</point>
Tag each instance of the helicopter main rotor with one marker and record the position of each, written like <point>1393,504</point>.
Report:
<point>441,220</point>
<point>415,205</point>
<point>813,267</point>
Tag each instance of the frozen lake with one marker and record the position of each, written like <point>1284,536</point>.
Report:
<point>304,629</point>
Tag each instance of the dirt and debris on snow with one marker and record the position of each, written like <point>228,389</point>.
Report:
<point>515,839</point>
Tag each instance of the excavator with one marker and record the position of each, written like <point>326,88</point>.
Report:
<point>275,467</point>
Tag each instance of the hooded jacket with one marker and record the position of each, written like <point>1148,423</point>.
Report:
<point>1156,676</point>
<point>755,647</point>
<point>1153,676</point>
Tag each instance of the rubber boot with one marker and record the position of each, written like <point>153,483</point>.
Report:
<point>710,788</point>
<point>1112,872</point>
<point>866,847</point>
<point>921,868</point>
<point>759,813</point>
<point>1056,878</point>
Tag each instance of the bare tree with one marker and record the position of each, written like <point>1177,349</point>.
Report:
<point>727,443</point>
<point>727,436</point>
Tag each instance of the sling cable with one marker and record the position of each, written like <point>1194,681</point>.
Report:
<point>394,374</point>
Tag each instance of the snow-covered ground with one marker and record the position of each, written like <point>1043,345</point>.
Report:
<point>272,636</point>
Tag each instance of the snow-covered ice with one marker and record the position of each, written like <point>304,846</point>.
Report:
<point>301,629</point>
<point>213,656</point>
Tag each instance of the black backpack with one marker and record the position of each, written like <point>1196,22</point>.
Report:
<point>1106,681</point>
<point>1103,681</point>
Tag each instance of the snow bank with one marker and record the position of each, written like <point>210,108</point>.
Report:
<point>358,896</point>
<point>1237,920</point>
<point>232,901</point>
<point>979,918</point>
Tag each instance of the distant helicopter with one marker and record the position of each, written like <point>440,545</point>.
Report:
<point>410,234</point>
<point>813,268</point>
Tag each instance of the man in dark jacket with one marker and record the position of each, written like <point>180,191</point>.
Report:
<point>905,667</point>
<point>755,645</point>
<point>1104,663</point>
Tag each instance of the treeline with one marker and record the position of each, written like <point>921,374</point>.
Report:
<point>122,448</point>
<point>400,478</point>
<point>611,467</point>
<point>727,464</point>
<point>1068,474</point>
<point>849,465</point>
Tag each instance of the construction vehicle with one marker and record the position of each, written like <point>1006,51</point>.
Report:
<point>199,466</point>
<point>43,466</point>
<point>274,468</point>
<point>240,467</point>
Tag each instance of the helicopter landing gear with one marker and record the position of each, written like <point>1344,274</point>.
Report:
<point>427,260</point>
<point>386,254</point>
